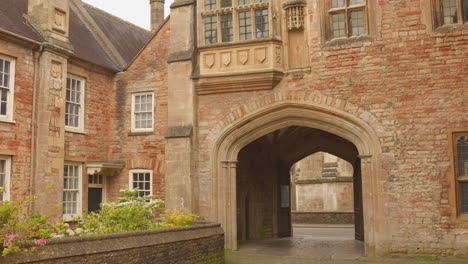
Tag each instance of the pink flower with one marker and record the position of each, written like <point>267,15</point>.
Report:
<point>36,197</point>
<point>9,240</point>
<point>40,242</point>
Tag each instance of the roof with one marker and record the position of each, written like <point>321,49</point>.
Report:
<point>126,38</point>
<point>11,19</point>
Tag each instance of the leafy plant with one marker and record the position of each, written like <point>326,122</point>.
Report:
<point>176,218</point>
<point>129,213</point>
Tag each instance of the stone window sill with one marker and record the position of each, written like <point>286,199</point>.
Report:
<point>451,28</point>
<point>7,121</point>
<point>75,131</point>
<point>140,133</point>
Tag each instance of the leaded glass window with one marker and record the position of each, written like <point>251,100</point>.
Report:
<point>211,25</point>
<point>226,3</point>
<point>347,18</point>
<point>245,25</point>
<point>210,4</point>
<point>451,12</point>
<point>461,169</point>
<point>226,28</point>
<point>261,23</point>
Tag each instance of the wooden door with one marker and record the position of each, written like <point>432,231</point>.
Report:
<point>284,211</point>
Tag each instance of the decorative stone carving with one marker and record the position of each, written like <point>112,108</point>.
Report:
<point>243,67</point>
<point>59,20</point>
<point>295,14</point>
<point>226,58</point>
<point>210,60</point>
<point>56,70</point>
<point>260,55</point>
<point>243,56</point>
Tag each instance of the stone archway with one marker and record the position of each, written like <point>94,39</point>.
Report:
<point>284,114</point>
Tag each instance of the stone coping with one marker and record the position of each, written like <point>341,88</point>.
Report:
<point>97,244</point>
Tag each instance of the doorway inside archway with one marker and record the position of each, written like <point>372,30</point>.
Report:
<point>268,202</point>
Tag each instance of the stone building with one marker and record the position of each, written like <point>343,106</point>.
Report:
<point>322,190</point>
<point>211,109</point>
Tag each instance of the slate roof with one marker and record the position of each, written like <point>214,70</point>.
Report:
<point>11,19</point>
<point>126,38</point>
<point>86,46</point>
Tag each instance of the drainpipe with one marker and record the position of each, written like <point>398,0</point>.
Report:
<point>37,56</point>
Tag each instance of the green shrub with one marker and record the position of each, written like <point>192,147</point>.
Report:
<point>176,218</point>
<point>130,213</point>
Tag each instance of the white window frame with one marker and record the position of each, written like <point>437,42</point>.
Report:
<point>81,113</point>
<point>79,199</point>
<point>11,95</point>
<point>6,194</point>
<point>133,120</point>
<point>130,178</point>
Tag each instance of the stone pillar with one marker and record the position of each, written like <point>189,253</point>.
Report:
<point>157,13</point>
<point>180,144</point>
<point>50,133</point>
<point>51,19</point>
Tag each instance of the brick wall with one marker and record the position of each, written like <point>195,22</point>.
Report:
<point>203,244</point>
<point>408,82</point>
<point>148,73</point>
<point>15,138</point>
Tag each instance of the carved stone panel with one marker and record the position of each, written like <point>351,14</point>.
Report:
<point>243,56</point>
<point>59,21</point>
<point>226,58</point>
<point>56,70</point>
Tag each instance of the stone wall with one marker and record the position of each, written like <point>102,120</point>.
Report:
<point>338,218</point>
<point>408,85</point>
<point>202,244</point>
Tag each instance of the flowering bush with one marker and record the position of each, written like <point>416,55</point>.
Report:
<point>18,228</point>
<point>23,232</point>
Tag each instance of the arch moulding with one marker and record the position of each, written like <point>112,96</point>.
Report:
<point>238,130</point>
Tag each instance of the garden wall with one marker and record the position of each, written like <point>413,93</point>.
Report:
<point>195,244</point>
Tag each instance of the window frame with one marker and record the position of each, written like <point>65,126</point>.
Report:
<point>347,9</point>
<point>130,178</point>
<point>6,196</point>
<point>133,119</point>
<point>235,10</point>
<point>456,178</point>
<point>81,119</point>
<point>79,198</point>
<point>438,14</point>
<point>11,96</point>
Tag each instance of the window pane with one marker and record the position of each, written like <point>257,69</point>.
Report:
<point>464,197</point>
<point>355,2</point>
<point>211,30</point>
<point>2,172</point>
<point>226,3</point>
<point>244,2</point>
<point>261,23</point>
<point>210,4</point>
<point>357,23</point>
<point>226,27</point>
<point>245,25</point>
<point>338,3</point>
<point>465,10</point>
<point>339,25</point>
<point>449,8</point>
<point>462,156</point>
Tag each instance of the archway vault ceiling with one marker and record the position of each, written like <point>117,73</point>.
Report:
<point>293,143</point>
